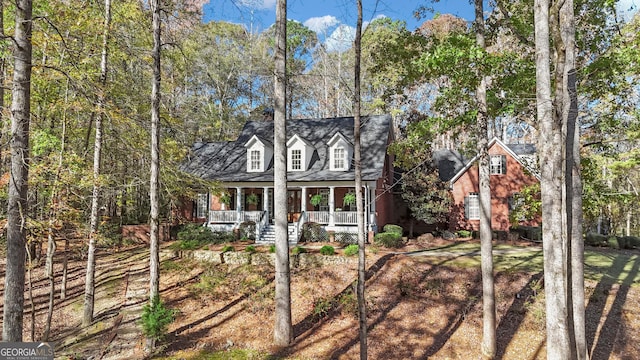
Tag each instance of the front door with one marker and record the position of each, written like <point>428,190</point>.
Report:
<point>293,205</point>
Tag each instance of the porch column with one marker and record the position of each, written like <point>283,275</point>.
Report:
<point>238,203</point>
<point>332,206</point>
<point>303,199</point>
<point>265,199</point>
<point>372,206</point>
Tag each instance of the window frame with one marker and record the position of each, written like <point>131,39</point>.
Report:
<point>255,159</point>
<point>499,167</point>
<point>296,160</point>
<point>472,206</point>
<point>339,160</point>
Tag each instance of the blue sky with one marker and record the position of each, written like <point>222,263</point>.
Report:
<point>334,20</point>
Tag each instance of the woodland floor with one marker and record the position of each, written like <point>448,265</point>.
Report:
<point>419,307</point>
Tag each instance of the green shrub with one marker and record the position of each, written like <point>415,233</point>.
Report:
<point>156,318</point>
<point>327,250</point>
<point>322,307</point>
<point>351,250</point>
<point>194,236</point>
<point>247,230</point>
<point>593,239</point>
<point>298,250</point>
<point>388,239</point>
<point>391,228</point>
<point>250,249</point>
<point>346,237</point>
<point>228,248</point>
<point>272,248</point>
<point>612,242</point>
<point>349,303</point>
<point>464,233</point>
<point>630,242</point>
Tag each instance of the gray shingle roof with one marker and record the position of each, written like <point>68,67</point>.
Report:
<point>449,162</point>
<point>227,161</point>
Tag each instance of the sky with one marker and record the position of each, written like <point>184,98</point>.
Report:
<point>334,20</point>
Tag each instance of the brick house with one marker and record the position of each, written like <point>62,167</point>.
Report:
<point>512,168</point>
<point>320,176</point>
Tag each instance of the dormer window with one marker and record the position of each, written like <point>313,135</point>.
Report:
<point>338,158</point>
<point>259,153</point>
<point>299,152</point>
<point>340,151</point>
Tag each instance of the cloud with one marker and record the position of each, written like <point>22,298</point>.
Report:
<point>341,38</point>
<point>321,24</point>
<point>257,4</point>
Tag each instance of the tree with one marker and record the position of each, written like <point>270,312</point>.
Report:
<point>89,290</point>
<point>357,156</point>
<point>18,183</point>
<point>283,329</point>
<point>486,235</point>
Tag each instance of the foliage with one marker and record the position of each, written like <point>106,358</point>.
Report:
<point>272,249</point>
<point>297,250</point>
<point>351,250</point>
<point>327,250</point>
<point>349,303</point>
<point>315,200</point>
<point>156,318</point>
<point>252,199</point>
<point>314,232</point>
<point>388,239</point>
<point>322,307</point>
<point>250,249</point>
<point>594,239</point>
<point>228,248</point>
<point>464,233</point>
<point>392,228</point>
<point>193,236</point>
<point>349,199</point>
<point>247,230</point>
<point>527,204</point>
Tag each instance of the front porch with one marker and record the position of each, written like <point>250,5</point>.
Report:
<point>332,207</point>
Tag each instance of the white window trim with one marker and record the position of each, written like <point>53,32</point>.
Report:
<point>473,210</point>
<point>253,161</point>
<point>342,159</point>
<point>296,160</point>
<point>497,167</point>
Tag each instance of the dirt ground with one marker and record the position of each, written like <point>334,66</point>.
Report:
<point>417,308</point>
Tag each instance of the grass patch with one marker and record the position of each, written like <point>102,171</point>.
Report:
<point>232,354</point>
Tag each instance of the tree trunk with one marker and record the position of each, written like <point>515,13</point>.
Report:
<point>362,310</point>
<point>283,330</point>
<point>89,289</point>
<point>486,236</point>
<point>556,248</point>
<point>17,198</point>
<point>154,266</point>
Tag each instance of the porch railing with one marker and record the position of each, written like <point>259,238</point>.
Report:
<point>346,217</point>
<point>320,217</point>
<point>233,216</point>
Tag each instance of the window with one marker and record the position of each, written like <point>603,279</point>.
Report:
<point>498,164</point>
<point>472,207</point>
<point>338,158</point>
<point>202,206</point>
<point>255,160</point>
<point>296,159</point>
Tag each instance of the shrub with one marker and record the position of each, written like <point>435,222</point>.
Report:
<point>327,250</point>
<point>298,250</point>
<point>594,239</point>
<point>346,238</point>
<point>193,236</point>
<point>630,242</point>
<point>322,307</point>
<point>388,239</point>
<point>228,248</point>
<point>464,233</point>
<point>349,303</point>
<point>612,242</point>
<point>250,249</point>
<point>156,318</point>
<point>272,248</point>
<point>314,232</point>
<point>351,250</point>
<point>247,230</point>
<point>391,228</point>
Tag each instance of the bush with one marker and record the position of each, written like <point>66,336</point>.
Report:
<point>346,238</point>
<point>156,318</point>
<point>314,232</point>
<point>250,249</point>
<point>593,239</point>
<point>247,230</point>
<point>194,236</point>
<point>388,239</point>
<point>630,242</point>
<point>327,250</point>
<point>612,242</point>
<point>228,248</point>
<point>351,250</point>
<point>464,233</point>
<point>272,248</point>
<point>298,250</point>
<point>391,228</point>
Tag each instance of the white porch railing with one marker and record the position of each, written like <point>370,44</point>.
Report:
<point>233,216</point>
<point>346,217</point>
<point>320,217</point>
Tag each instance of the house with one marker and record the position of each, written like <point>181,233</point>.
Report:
<point>320,176</point>
<point>512,168</point>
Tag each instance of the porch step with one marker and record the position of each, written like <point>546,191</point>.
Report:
<point>268,235</point>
